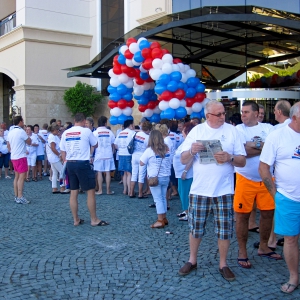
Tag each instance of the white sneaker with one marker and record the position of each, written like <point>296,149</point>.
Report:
<point>185,218</point>
<point>22,200</point>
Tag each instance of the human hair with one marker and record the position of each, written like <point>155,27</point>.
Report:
<point>261,106</point>
<point>165,121</point>
<point>17,120</point>
<point>90,120</point>
<point>209,104</point>
<point>53,127</point>
<point>157,144</point>
<point>146,126</point>
<point>52,121</point>
<point>188,126</point>
<point>253,104</point>
<point>236,119</point>
<point>36,125</point>
<point>295,110</point>
<point>68,125</point>
<point>173,126</point>
<point>284,106</point>
<point>79,117</point>
<point>45,126</point>
<point>30,126</point>
<point>102,121</point>
<point>163,129</point>
<point>127,123</point>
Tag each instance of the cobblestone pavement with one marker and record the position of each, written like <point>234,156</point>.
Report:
<point>43,256</point>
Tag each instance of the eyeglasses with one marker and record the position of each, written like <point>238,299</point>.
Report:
<point>219,115</point>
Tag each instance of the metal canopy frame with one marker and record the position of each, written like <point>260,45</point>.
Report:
<point>224,45</point>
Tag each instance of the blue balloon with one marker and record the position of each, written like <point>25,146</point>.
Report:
<point>113,120</point>
<point>129,90</point>
<point>181,85</point>
<point>190,93</point>
<point>202,113</point>
<point>169,113</point>
<point>143,101</point>
<point>111,89</point>
<point>137,97</point>
<point>144,76</point>
<point>127,96</point>
<point>164,79</point>
<point>121,119</point>
<point>138,57</point>
<point>176,76</point>
<point>162,115</point>
<point>193,81</point>
<point>122,89</point>
<point>148,93</point>
<point>180,113</point>
<point>159,88</point>
<point>200,88</point>
<point>153,97</point>
<point>115,97</point>
<point>122,59</point>
<point>196,115</point>
<point>155,118</point>
<point>129,117</point>
<point>144,44</point>
<point>172,86</point>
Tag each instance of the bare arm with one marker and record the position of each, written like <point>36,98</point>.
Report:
<point>52,146</point>
<point>8,147</point>
<point>265,174</point>
<point>224,157</point>
<point>186,155</point>
<point>28,141</point>
<point>63,155</point>
<point>251,149</point>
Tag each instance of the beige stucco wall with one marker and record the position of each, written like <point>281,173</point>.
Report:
<point>7,7</point>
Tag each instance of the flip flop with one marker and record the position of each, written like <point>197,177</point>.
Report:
<point>81,221</point>
<point>293,286</point>
<point>256,245</point>
<point>244,260</point>
<point>111,193</point>
<point>142,197</point>
<point>101,223</point>
<point>56,192</point>
<point>255,229</point>
<point>269,255</point>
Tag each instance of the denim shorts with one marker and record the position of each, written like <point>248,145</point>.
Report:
<point>40,157</point>
<point>125,163</point>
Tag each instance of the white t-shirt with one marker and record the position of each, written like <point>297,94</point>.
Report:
<point>141,142</point>
<point>123,139</point>
<point>32,150</point>
<point>105,139</point>
<point>174,138</point>
<point>3,145</point>
<point>179,167</point>
<point>6,134</point>
<point>76,142</point>
<point>282,148</point>
<point>286,122</point>
<point>52,157</point>
<point>170,144</point>
<point>16,138</point>
<point>40,148</point>
<point>212,180</point>
<point>253,133</point>
<point>44,133</point>
<point>154,161</point>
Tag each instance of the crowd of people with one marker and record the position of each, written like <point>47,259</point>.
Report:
<point>229,169</point>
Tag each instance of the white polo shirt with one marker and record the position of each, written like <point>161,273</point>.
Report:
<point>105,139</point>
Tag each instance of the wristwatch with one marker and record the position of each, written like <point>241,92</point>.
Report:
<point>257,145</point>
<point>231,159</point>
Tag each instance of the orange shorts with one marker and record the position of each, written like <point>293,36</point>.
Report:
<point>247,191</point>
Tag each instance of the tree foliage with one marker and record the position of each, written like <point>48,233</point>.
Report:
<point>82,98</point>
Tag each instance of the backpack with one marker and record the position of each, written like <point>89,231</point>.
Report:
<point>130,146</point>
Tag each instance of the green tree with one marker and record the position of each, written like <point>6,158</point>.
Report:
<point>82,98</point>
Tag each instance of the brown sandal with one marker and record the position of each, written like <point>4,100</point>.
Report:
<point>34,179</point>
<point>159,226</point>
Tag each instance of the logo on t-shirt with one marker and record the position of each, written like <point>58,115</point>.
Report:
<point>73,136</point>
<point>123,135</point>
<point>296,153</point>
<point>103,134</point>
<point>139,139</point>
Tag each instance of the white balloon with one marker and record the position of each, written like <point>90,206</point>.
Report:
<point>174,103</point>
<point>142,69</point>
<point>205,101</point>
<point>190,73</point>
<point>175,67</point>
<point>129,63</point>
<point>123,49</point>
<point>116,112</point>
<point>157,63</point>
<point>155,73</point>
<point>123,78</point>
<point>146,86</point>
<point>127,111</point>
<point>167,68</point>
<point>135,63</point>
<point>129,84</point>
<point>181,67</point>
<point>163,105</point>
<point>114,81</point>
<point>183,78</point>
<point>156,110</point>
<point>141,39</point>
<point>111,73</point>
<point>189,110</point>
<point>134,47</point>
<point>183,103</point>
<point>186,68</point>
<point>197,107</point>
<point>138,90</point>
<point>167,58</point>
<point>148,113</point>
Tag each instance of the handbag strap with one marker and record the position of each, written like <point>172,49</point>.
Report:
<point>159,166</point>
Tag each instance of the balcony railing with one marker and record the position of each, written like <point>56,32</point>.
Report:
<point>7,24</point>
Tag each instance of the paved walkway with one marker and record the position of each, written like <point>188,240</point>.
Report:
<point>43,256</point>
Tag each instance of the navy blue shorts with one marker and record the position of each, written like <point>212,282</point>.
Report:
<point>40,157</point>
<point>125,163</point>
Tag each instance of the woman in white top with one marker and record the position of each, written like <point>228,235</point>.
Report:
<point>157,159</point>
<point>54,158</point>
<point>40,151</point>
<point>31,153</point>
<point>140,145</point>
<point>4,155</point>
<point>184,173</point>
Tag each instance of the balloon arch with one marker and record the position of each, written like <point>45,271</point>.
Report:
<point>143,70</point>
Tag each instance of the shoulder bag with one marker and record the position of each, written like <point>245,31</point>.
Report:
<point>153,181</point>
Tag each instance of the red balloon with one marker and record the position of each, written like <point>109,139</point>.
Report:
<point>128,54</point>
<point>147,64</point>
<point>189,102</point>
<point>125,69</point>
<point>166,95</point>
<point>112,104</point>
<point>122,103</point>
<point>146,52</point>
<point>155,45</point>
<point>165,51</point>
<point>151,104</point>
<point>130,103</point>
<point>115,60</point>
<point>139,80</point>
<point>199,97</point>
<point>130,41</point>
<point>149,79</point>
<point>117,69</point>
<point>179,94</point>
<point>142,108</point>
<point>156,53</point>
<point>131,73</point>
<point>177,60</point>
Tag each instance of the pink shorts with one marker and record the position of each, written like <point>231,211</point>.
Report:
<point>20,165</point>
